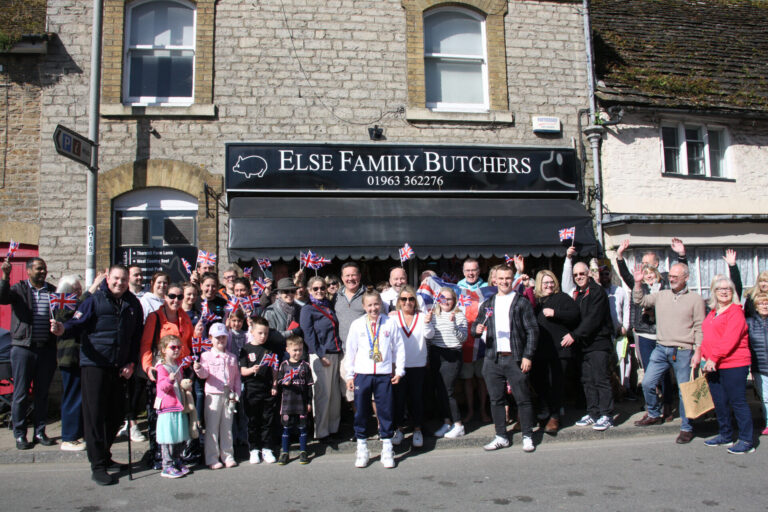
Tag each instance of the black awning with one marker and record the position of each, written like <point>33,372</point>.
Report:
<point>278,228</point>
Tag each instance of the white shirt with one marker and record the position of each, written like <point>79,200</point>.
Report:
<point>501,321</point>
<point>359,348</point>
<point>619,300</point>
<point>416,343</point>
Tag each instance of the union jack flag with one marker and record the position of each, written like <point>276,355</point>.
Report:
<point>305,259</point>
<point>289,375</point>
<point>488,313</point>
<point>247,272</point>
<point>12,248</point>
<point>249,303</point>
<point>465,301</point>
<point>439,299</point>
<point>187,266</point>
<point>187,362</point>
<point>264,264</point>
<point>201,345</point>
<point>318,261</point>
<point>270,361</point>
<point>206,258</point>
<point>406,253</point>
<point>567,233</point>
<point>63,301</point>
<point>259,286</point>
<point>232,304</point>
<point>209,317</point>
<point>509,260</point>
<point>204,307</point>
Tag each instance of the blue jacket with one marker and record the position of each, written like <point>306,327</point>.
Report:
<point>758,343</point>
<point>111,329</point>
<point>321,329</point>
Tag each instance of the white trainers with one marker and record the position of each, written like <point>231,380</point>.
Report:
<point>73,446</point>
<point>498,442</point>
<point>268,456</point>
<point>418,439</point>
<point>456,431</point>
<point>136,435</point>
<point>585,421</point>
<point>398,437</point>
<point>123,432</point>
<point>255,457</point>
<point>443,430</point>
<point>387,455</point>
<point>604,423</point>
<point>362,456</point>
<point>528,446</point>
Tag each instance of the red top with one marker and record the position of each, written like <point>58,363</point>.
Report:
<point>725,338</point>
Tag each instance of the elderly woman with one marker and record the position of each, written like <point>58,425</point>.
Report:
<point>283,314</point>
<point>321,334</point>
<point>726,356</point>
<point>415,327</point>
<point>445,358</point>
<point>169,318</point>
<point>758,345</point>
<point>557,314</point>
<point>155,297</point>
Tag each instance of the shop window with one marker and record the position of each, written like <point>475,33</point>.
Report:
<point>694,150</point>
<point>159,61</point>
<point>455,60</point>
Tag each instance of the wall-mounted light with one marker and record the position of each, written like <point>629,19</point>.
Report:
<point>376,133</point>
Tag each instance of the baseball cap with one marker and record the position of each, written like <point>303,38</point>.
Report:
<point>217,329</point>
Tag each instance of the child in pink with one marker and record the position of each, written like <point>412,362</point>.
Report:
<point>220,370</point>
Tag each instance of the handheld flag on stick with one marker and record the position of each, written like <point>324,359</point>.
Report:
<point>201,345</point>
<point>63,301</point>
<point>12,248</point>
<point>247,272</point>
<point>264,264</point>
<point>406,253</point>
<point>232,304</point>
<point>568,234</point>
<point>206,258</point>
<point>187,266</point>
<point>488,314</point>
<point>270,361</point>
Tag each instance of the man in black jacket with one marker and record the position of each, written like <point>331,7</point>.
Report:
<point>112,321</point>
<point>594,338</point>
<point>33,351</point>
<point>510,343</point>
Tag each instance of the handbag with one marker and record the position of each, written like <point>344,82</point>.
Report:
<point>696,397</point>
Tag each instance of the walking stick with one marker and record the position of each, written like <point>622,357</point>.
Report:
<point>127,415</point>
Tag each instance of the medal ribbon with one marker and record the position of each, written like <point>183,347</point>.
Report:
<point>373,339</point>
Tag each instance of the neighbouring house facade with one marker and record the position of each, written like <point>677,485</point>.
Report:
<point>687,156</point>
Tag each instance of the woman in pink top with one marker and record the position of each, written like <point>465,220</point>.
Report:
<point>726,358</point>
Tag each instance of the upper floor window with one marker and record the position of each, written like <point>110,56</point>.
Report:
<point>159,65</point>
<point>694,150</point>
<point>455,60</point>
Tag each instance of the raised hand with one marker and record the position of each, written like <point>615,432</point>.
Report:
<point>622,247</point>
<point>570,253</point>
<point>519,263</point>
<point>678,246</point>
<point>730,257</point>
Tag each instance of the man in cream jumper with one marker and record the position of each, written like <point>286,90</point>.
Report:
<point>679,315</point>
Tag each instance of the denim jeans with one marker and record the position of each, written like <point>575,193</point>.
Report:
<point>728,387</point>
<point>645,346</point>
<point>661,359</point>
<point>761,384</point>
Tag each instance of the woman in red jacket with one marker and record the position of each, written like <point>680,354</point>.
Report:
<point>726,357</point>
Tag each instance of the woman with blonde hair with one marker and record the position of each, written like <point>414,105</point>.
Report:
<point>445,359</point>
<point>557,314</point>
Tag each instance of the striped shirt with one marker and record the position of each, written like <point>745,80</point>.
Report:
<point>449,334</point>
<point>41,309</point>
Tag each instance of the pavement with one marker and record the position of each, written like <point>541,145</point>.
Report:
<point>477,434</point>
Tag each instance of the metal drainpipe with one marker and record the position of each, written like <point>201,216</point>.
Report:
<point>93,134</point>
<point>593,132</point>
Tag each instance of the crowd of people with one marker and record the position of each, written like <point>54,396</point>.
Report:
<point>220,364</point>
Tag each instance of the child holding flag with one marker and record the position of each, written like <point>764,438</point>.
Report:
<point>295,379</point>
<point>258,368</point>
<point>172,424</point>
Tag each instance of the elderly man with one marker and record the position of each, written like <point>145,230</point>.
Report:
<point>110,322</point>
<point>511,336</point>
<point>228,280</point>
<point>594,336</point>
<point>397,279</point>
<point>679,315</point>
<point>33,348</point>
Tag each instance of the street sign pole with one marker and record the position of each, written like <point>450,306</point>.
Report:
<point>93,134</point>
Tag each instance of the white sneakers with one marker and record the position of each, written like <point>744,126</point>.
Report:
<point>362,456</point>
<point>528,446</point>
<point>123,432</point>
<point>255,457</point>
<point>268,456</point>
<point>387,454</point>
<point>73,446</point>
<point>136,435</point>
<point>418,439</point>
<point>456,431</point>
<point>498,442</point>
<point>398,437</point>
<point>443,430</point>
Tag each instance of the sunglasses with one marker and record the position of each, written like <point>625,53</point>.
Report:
<point>407,299</point>
<point>580,274</point>
<point>318,288</point>
<point>174,347</point>
<point>288,292</point>
<point>174,296</point>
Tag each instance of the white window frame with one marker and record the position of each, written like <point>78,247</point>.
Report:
<point>704,130</point>
<point>180,101</point>
<point>461,107</point>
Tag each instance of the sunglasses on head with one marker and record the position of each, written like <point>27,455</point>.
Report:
<point>174,296</point>
<point>407,299</point>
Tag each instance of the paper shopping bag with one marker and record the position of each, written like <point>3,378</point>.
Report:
<point>696,397</point>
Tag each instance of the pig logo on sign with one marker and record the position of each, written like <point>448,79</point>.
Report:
<point>253,165</point>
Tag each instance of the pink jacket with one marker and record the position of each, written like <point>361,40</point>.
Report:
<point>220,371</point>
<point>169,402</point>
